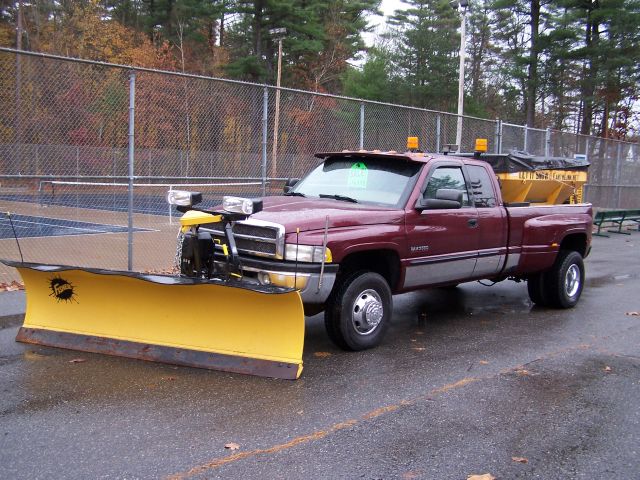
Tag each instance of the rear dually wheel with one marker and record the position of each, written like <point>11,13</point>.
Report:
<point>562,285</point>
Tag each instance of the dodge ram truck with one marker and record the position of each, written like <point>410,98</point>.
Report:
<point>364,225</point>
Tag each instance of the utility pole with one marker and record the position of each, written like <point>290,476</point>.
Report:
<point>278,34</point>
<point>461,6</point>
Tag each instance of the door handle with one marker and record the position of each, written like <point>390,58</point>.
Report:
<point>472,222</point>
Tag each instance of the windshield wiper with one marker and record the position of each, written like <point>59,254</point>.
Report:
<point>295,194</point>
<point>342,198</point>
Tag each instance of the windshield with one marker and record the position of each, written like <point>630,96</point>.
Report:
<point>362,179</point>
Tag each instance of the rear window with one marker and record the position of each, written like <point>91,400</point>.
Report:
<point>481,187</point>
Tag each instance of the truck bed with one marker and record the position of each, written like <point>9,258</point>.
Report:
<point>536,234</point>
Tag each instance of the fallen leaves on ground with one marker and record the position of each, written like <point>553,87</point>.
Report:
<point>483,362</point>
<point>633,314</point>
<point>607,368</point>
<point>232,446</point>
<point>321,354</point>
<point>520,459</point>
<point>31,355</point>
<point>11,286</point>
<point>168,379</point>
<point>482,476</point>
<point>411,474</point>
<point>77,360</point>
<point>522,372</point>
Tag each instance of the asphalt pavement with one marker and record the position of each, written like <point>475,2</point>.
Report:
<point>471,380</point>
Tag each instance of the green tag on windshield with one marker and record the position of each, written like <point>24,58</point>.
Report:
<point>358,176</point>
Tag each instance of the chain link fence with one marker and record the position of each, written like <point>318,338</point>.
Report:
<point>66,150</point>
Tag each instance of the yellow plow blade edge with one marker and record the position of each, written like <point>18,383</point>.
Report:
<point>223,326</point>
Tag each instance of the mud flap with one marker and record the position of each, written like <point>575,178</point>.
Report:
<point>227,326</point>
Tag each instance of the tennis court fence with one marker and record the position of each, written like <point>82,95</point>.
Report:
<point>98,146</point>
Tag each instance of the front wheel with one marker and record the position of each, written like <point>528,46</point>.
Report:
<point>359,311</point>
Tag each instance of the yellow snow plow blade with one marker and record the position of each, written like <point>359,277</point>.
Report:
<point>218,325</point>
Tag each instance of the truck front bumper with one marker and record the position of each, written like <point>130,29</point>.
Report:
<point>313,282</point>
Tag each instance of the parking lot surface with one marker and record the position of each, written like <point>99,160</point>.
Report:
<point>468,381</point>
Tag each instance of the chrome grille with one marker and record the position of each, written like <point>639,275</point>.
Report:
<point>253,237</point>
<point>250,246</point>
<point>255,231</point>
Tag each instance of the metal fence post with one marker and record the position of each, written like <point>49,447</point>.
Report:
<point>361,125</point>
<point>586,147</point>
<point>618,173</point>
<point>547,142</point>
<point>265,117</point>
<point>498,136</point>
<point>132,103</point>
<point>438,127</point>
<point>526,138</point>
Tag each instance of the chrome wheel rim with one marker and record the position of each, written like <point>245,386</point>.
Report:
<point>367,312</point>
<point>572,281</point>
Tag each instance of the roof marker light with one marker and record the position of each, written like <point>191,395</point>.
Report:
<point>481,145</point>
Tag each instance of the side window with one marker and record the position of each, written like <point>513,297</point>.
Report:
<point>447,177</point>
<point>481,187</point>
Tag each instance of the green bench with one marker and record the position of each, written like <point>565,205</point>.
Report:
<point>615,217</point>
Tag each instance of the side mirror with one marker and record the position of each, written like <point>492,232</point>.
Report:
<point>445,198</point>
<point>289,184</point>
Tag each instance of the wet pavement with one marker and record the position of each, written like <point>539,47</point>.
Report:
<point>466,380</point>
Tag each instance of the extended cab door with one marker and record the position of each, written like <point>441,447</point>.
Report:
<point>492,221</point>
<point>442,243</point>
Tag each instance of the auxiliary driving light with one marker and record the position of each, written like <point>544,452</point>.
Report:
<point>183,198</point>
<point>245,206</point>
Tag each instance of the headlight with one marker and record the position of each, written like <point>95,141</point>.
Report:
<point>245,206</point>
<point>306,253</point>
<point>183,198</point>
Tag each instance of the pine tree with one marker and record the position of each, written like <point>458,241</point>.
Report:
<point>427,53</point>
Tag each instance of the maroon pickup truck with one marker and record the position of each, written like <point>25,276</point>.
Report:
<point>363,226</point>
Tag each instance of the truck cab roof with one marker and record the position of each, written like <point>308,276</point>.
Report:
<point>419,157</point>
<point>412,156</point>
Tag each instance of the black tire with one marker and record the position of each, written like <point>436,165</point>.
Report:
<point>359,311</point>
<point>311,310</point>
<point>562,285</point>
<point>535,286</point>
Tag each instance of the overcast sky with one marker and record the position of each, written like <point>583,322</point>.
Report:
<point>388,7</point>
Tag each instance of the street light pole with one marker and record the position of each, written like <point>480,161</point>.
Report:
<point>462,4</point>
<point>279,33</point>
